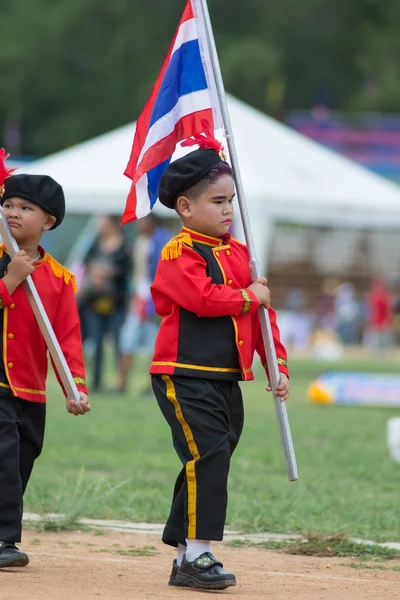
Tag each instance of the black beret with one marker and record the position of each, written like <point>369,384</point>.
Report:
<point>39,189</point>
<point>181,174</point>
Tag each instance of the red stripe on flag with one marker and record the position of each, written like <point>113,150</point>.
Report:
<point>130,209</point>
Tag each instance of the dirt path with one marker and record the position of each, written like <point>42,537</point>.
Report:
<point>113,566</point>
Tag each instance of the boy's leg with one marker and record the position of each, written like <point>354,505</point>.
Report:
<point>206,420</point>
<point>176,517</point>
<point>31,437</point>
<point>27,420</point>
<point>198,412</point>
<point>10,480</point>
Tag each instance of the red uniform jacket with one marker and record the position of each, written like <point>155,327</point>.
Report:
<point>210,326</point>
<point>24,349</point>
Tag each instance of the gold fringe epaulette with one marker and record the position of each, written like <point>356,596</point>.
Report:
<point>60,271</point>
<point>174,247</point>
<point>1,250</point>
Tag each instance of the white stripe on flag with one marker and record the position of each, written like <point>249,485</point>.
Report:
<point>187,33</point>
<point>142,197</point>
<point>207,64</point>
<point>186,105</point>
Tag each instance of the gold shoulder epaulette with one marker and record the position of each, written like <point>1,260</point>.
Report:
<point>174,247</point>
<point>1,250</point>
<point>60,271</point>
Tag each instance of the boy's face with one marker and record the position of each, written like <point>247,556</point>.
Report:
<point>212,212</point>
<point>27,221</point>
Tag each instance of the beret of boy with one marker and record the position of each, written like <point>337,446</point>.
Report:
<point>181,174</point>
<point>39,189</point>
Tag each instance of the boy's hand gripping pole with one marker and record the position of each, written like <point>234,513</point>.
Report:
<point>201,8</point>
<point>41,317</point>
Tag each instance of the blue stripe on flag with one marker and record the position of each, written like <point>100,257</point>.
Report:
<point>153,179</point>
<point>184,74</point>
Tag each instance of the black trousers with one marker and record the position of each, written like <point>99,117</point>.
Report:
<point>21,439</point>
<point>206,420</point>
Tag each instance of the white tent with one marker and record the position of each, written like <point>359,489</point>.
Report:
<point>286,177</point>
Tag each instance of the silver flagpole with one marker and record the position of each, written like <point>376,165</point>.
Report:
<point>281,412</point>
<point>41,317</point>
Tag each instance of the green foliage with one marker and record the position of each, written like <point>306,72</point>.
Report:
<point>72,70</point>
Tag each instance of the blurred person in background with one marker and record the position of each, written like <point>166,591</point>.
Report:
<point>326,305</point>
<point>104,297</point>
<point>140,328</point>
<point>325,342</point>
<point>347,314</point>
<point>380,316</point>
<point>294,321</point>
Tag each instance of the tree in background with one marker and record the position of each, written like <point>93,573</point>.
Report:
<point>73,70</point>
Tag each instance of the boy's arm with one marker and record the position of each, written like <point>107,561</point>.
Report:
<point>280,349</point>
<point>19,267</point>
<point>185,281</point>
<point>67,330</point>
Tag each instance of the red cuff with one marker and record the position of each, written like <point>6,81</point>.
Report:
<point>283,369</point>
<point>254,302</point>
<point>82,388</point>
<point>5,297</point>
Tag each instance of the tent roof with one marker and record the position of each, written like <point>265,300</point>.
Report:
<point>285,175</point>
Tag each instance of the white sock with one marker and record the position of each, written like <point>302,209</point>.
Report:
<point>181,552</point>
<point>195,548</point>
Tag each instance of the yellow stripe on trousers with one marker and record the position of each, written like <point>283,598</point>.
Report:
<point>190,466</point>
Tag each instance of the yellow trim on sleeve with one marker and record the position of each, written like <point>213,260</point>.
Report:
<point>246,301</point>
<point>190,466</point>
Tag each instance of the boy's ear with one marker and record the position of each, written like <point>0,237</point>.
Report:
<point>49,222</point>
<point>184,206</point>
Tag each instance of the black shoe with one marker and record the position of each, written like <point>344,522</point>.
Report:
<point>10,556</point>
<point>174,570</point>
<point>204,573</point>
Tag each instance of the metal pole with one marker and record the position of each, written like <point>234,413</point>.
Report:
<point>280,407</point>
<point>41,317</point>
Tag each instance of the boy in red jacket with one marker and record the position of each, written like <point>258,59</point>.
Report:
<point>207,338</point>
<point>31,204</point>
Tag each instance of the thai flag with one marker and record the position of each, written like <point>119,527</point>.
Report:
<point>182,97</point>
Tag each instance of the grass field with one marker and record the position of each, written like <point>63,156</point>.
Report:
<point>118,462</point>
